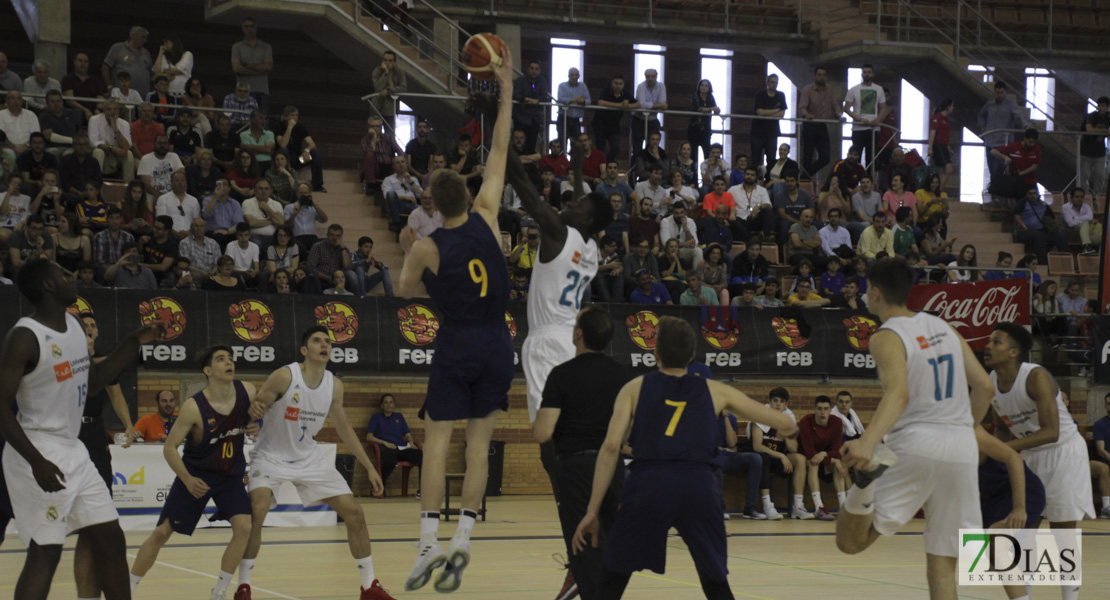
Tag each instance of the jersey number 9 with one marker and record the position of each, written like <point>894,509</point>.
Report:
<point>478,275</point>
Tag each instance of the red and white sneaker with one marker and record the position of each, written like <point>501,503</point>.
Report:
<point>375,592</point>
<point>243,592</point>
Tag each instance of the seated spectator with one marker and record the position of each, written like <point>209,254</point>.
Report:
<point>92,211</point>
<point>835,240</point>
<point>379,151</point>
<point>160,251</point>
<point>789,201</point>
<point>966,258</point>
<point>640,259</point>
<point>646,158</point>
<point>713,167</point>
<point>123,91</point>
<point>750,266</point>
<point>876,239</point>
<point>420,149</point>
<point>832,198</point>
<point>932,201</point>
<point>642,226</point>
<point>223,143</point>
<point>202,175</point>
<point>80,83</point>
<point>326,257</point>
<point>70,247</point>
<point>820,438</point>
<point>144,130</point>
<point>264,215</point>
<point>18,125</point>
<point>242,103</point>
<point>283,282</point>
<point>438,161</point>
<point>14,208</point>
<point>200,250</point>
<point>780,457</point>
<point>900,197</point>
<point>653,189</point>
<point>47,203</point>
<point>620,226</point>
<point>127,273</point>
<point>804,243</point>
<point>110,137</point>
<point>852,426</point>
<point>400,190</point>
<point>339,286</point>
<point>804,296</point>
<point>865,203</point>
<point>177,204</point>
<point>157,169</point>
<point>422,222</point>
<point>522,278</point>
<point>224,280</point>
<point>107,246</point>
<point>849,296</point>
<point>1029,261</point>
<point>86,274</point>
<point>680,228</point>
<point>897,166</point>
<point>746,299</point>
<point>649,291</point>
<point>714,228</point>
<point>283,254</point>
<point>832,280</point>
<point>243,176</point>
<point>528,156</point>
<point>770,296</point>
<point>1005,260</point>
<point>38,84</point>
<point>672,269</point>
<point>30,243</point>
<point>803,271</point>
<point>753,211</point>
<point>684,193</point>
<point>1080,222</point>
<point>258,140</point>
<point>568,185</point>
<point>196,95</point>
<point>524,254</point>
<point>739,170</point>
<point>464,161</point>
<point>138,214</point>
<point>719,195</point>
<point>304,215</point>
<point>748,465</point>
<point>185,139</point>
<point>935,249</point>
<point>222,214</point>
<point>905,240</point>
<point>556,159</point>
<point>715,272</point>
<point>59,125</point>
<point>281,179</point>
<point>163,102</point>
<point>593,161</point>
<point>389,430</point>
<point>784,164</point>
<point>244,255</point>
<point>608,286</point>
<point>296,143</point>
<point>156,426</point>
<point>363,262</point>
<point>849,172</point>
<point>180,277</point>
<point>612,184</point>
<point>697,294</point>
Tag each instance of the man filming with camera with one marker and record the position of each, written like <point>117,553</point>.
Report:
<point>304,214</point>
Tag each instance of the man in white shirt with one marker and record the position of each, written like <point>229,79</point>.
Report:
<point>865,103</point>
<point>1080,220</point>
<point>401,190</point>
<point>36,86</point>
<point>853,427</point>
<point>157,168</point>
<point>713,167</point>
<point>263,214</point>
<point>652,189</point>
<point>422,221</point>
<point>573,95</point>
<point>244,253</point>
<point>651,95</point>
<point>754,212</point>
<point>17,124</point>
<point>178,205</point>
<point>684,230</point>
<point>833,236</point>
<point>110,137</point>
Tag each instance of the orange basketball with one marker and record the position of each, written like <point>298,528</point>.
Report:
<point>481,55</point>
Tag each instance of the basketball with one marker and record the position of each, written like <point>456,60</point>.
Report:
<point>481,55</point>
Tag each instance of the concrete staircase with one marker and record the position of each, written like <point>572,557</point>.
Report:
<point>346,205</point>
<point>969,224</point>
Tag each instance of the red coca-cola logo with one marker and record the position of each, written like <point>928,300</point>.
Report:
<point>975,308</point>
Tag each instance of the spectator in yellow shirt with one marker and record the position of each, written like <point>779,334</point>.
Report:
<point>876,238</point>
<point>804,296</point>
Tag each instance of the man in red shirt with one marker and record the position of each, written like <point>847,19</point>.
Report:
<point>1022,158</point>
<point>593,162</point>
<point>555,159</point>
<point>144,130</point>
<point>717,197</point>
<point>820,436</point>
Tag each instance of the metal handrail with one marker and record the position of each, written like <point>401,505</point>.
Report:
<point>131,103</point>
<point>1078,140</point>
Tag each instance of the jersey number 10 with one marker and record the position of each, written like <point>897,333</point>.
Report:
<point>937,364</point>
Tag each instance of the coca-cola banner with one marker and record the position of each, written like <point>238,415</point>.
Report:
<point>974,308</point>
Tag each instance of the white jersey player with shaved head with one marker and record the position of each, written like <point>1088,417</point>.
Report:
<point>293,405</point>
<point>1031,417</point>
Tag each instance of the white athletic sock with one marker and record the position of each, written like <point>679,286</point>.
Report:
<point>135,579</point>
<point>466,524</point>
<point>1069,592</point>
<point>223,581</point>
<point>840,496</point>
<point>366,571</point>
<point>246,567</point>
<point>1105,501</point>
<point>767,501</point>
<point>429,527</point>
<point>799,501</point>
<point>817,503</point>
<point>860,502</point>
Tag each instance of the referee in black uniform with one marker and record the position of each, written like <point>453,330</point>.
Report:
<point>575,412</point>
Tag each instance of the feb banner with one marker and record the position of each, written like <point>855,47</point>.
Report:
<point>974,308</point>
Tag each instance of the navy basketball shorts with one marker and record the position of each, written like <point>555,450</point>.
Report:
<point>184,511</point>
<point>658,497</point>
<point>471,372</point>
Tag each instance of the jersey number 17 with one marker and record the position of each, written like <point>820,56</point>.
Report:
<point>940,372</point>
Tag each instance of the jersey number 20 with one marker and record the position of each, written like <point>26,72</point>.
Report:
<point>940,372</point>
<point>577,283</point>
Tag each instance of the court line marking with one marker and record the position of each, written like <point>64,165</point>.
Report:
<point>209,576</point>
<point>696,585</point>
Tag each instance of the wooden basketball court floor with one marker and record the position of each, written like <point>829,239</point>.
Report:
<point>784,560</point>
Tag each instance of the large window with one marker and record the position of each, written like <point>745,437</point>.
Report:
<point>973,168</point>
<point>1040,96</point>
<point>716,66</point>
<point>649,56</point>
<point>565,55</point>
<point>855,77</point>
<point>914,119</point>
<point>788,88</point>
